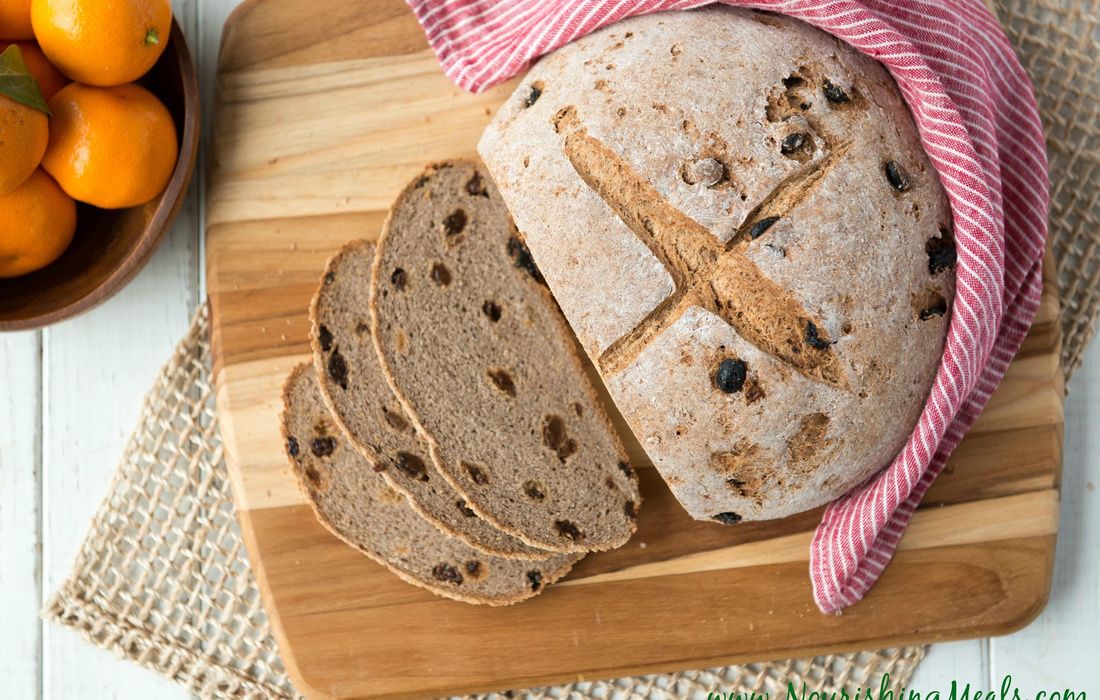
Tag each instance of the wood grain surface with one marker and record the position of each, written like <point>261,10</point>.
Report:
<point>325,109</point>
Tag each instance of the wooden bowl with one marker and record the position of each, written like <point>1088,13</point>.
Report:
<point>110,247</point>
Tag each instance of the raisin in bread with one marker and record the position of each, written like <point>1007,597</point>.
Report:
<point>736,215</point>
<point>359,507</point>
<point>368,414</point>
<point>483,363</point>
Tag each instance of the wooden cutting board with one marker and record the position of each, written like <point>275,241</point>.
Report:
<point>325,108</point>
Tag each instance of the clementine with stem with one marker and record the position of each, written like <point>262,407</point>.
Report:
<point>102,43</point>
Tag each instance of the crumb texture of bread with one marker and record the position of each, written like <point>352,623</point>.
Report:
<point>736,215</point>
<point>358,506</point>
<point>359,398</point>
<point>475,348</point>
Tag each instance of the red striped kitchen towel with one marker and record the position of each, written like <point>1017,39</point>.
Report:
<point>979,122</point>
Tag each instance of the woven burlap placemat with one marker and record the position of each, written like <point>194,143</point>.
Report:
<point>163,577</point>
<point>1058,42</point>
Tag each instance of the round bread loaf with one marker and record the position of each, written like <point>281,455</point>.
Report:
<point>735,213</point>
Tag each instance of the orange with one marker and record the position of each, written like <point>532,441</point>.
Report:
<point>23,134</point>
<point>50,80</point>
<point>15,20</point>
<point>102,43</point>
<point>110,147</point>
<point>37,223</point>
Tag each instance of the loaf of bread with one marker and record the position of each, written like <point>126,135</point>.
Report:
<point>736,215</point>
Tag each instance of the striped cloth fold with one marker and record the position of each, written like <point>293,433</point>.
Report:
<point>978,120</point>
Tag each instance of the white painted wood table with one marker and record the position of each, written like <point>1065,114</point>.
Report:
<point>70,395</point>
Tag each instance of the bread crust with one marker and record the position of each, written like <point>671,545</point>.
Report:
<point>735,213</point>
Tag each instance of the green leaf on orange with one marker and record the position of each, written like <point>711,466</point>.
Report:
<point>16,81</point>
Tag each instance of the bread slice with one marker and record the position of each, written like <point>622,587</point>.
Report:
<point>356,504</point>
<point>476,350</point>
<point>366,411</point>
